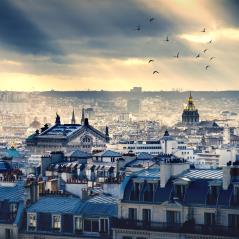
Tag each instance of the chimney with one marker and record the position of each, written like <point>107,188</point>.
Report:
<point>171,168</point>
<point>31,189</point>
<point>226,177</point>
<point>86,121</point>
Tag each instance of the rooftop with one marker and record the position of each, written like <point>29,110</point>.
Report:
<point>55,204</point>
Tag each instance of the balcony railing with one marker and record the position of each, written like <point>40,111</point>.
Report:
<point>187,227</point>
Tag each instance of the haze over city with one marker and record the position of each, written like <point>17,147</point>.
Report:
<point>80,45</point>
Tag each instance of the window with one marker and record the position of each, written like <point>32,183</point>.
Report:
<point>56,222</point>
<point>13,208</point>
<point>146,216</point>
<point>173,217</point>
<point>149,192</point>
<point>233,220</point>
<point>134,196</point>
<point>209,218</point>
<point>32,222</point>
<point>104,225</point>
<point>236,195</point>
<point>78,224</point>
<point>180,191</point>
<point>132,214</point>
<point>91,225</point>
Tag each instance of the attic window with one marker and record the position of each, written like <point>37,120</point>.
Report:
<point>78,224</point>
<point>32,222</point>
<point>180,191</point>
<point>236,194</point>
<point>91,225</point>
<point>56,222</point>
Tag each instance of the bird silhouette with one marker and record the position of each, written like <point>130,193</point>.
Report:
<point>177,56</point>
<point>205,50</point>
<point>151,19</point>
<point>211,58</point>
<point>210,41</point>
<point>203,30</point>
<point>138,28</point>
<point>155,72</point>
<point>198,55</point>
<point>167,39</point>
<point>207,66</point>
<point>151,60</point>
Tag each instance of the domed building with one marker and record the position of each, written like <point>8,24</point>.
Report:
<point>190,114</point>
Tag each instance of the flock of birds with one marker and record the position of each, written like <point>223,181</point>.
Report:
<point>151,20</point>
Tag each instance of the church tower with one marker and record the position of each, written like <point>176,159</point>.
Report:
<point>83,116</point>
<point>190,114</point>
<point>73,119</point>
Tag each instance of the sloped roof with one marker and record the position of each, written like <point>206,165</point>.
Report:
<point>4,166</point>
<point>144,156</point>
<point>56,204</point>
<point>12,193</point>
<point>102,205</point>
<point>108,153</point>
<point>197,192</point>
<point>80,154</point>
<point>202,174</point>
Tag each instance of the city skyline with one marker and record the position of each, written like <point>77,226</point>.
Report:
<point>81,45</point>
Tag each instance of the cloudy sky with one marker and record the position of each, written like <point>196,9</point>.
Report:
<point>93,44</point>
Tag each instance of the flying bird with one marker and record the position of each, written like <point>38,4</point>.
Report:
<point>207,66</point>
<point>198,55</point>
<point>210,41</point>
<point>155,72</point>
<point>211,58</point>
<point>167,39</point>
<point>138,28</point>
<point>151,19</point>
<point>151,60</point>
<point>205,50</point>
<point>177,56</point>
<point>203,30</point>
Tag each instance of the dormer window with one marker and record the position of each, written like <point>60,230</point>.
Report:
<point>236,194</point>
<point>214,191</point>
<point>149,192</point>
<point>180,191</point>
<point>56,222</point>
<point>32,222</point>
<point>78,224</point>
<point>135,193</point>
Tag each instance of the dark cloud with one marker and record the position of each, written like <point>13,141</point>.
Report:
<point>19,33</point>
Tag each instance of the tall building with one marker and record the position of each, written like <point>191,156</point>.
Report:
<point>190,113</point>
<point>73,119</point>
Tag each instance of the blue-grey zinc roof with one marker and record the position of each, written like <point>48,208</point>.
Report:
<point>144,156</point>
<point>80,154</point>
<point>12,193</point>
<point>202,174</point>
<point>197,192</point>
<point>108,153</point>
<point>102,205</point>
<point>150,173</point>
<point>225,196</point>
<point>4,166</point>
<point>54,204</point>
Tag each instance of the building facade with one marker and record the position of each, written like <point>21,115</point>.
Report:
<point>67,137</point>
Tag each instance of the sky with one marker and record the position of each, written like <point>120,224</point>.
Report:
<point>94,44</point>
